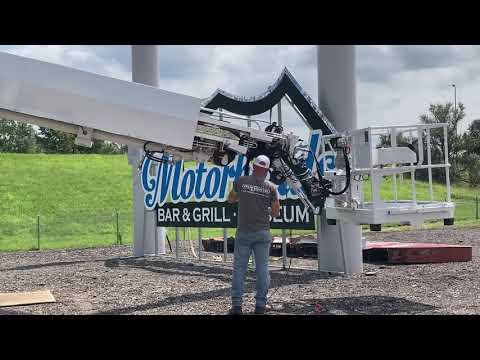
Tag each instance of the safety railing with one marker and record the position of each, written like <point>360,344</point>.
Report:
<point>376,156</point>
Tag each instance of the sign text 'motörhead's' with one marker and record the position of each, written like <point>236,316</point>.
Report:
<point>204,183</point>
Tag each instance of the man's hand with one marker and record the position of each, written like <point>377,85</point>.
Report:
<point>276,208</point>
<point>232,197</point>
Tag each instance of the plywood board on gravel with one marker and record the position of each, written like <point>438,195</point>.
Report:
<point>26,298</point>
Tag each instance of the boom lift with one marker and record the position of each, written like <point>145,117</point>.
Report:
<point>177,127</point>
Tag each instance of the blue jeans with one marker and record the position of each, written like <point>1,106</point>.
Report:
<point>246,242</point>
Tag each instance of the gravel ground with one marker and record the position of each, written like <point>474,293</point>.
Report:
<point>110,281</point>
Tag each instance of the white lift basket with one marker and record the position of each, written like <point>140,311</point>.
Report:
<point>369,161</point>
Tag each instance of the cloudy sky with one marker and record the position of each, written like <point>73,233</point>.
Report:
<point>395,83</point>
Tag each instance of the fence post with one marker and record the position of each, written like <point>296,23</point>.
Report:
<point>177,235</point>
<point>119,238</point>
<point>199,244</point>
<point>476,207</point>
<point>38,232</point>
<point>225,244</point>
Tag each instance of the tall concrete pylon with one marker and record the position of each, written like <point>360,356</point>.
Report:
<point>337,98</point>
<point>145,70</point>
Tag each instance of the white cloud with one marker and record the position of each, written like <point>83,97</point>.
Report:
<point>396,84</point>
<point>76,56</point>
<point>412,88</point>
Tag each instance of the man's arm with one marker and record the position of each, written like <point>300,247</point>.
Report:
<point>232,197</point>
<point>276,208</point>
<point>275,202</point>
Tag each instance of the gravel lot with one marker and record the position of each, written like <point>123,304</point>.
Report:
<point>109,281</point>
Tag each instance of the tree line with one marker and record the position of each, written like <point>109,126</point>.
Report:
<point>463,149</point>
<point>17,137</point>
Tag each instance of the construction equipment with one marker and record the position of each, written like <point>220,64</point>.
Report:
<point>171,127</point>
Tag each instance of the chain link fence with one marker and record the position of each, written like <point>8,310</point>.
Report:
<point>65,230</point>
<point>79,229</point>
<point>83,229</point>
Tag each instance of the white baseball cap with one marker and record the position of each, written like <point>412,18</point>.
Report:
<point>262,161</point>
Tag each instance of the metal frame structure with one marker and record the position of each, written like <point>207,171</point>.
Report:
<point>98,107</point>
<point>377,163</point>
<point>179,254</point>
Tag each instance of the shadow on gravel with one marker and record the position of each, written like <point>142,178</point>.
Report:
<point>220,272</point>
<point>11,312</point>
<point>278,279</point>
<point>355,305</point>
<point>172,300</point>
<point>58,263</point>
<point>167,267</point>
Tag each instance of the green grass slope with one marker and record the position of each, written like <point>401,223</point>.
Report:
<point>75,196</point>
<point>78,197</point>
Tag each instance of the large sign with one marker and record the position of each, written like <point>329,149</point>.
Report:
<point>293,215</point>
<point>197,196</point>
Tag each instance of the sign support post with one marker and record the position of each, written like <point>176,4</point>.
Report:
<point>337,97</point>
<point>284,231</point>
<point>225,235</point>
<point>145,70</point>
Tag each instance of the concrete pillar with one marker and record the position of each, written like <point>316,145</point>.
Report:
<point>145,70</point>
<point>337,98</point>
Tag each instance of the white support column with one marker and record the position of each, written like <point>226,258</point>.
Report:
<point>145,70</point>
<point>337,98</point>
<point>284,231</point>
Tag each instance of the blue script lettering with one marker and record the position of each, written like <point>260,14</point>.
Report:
<point>198,183</point>
<point>189,176</point>
<point>206,182</point>
<point>209,192</point>
<point>176,181</point>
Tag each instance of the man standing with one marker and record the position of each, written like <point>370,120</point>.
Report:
<point>257,199</point>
